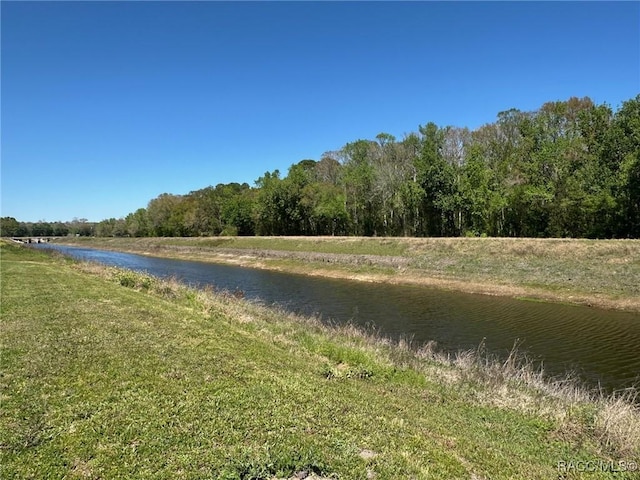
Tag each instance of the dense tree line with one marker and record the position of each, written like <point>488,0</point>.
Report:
<point>569,169</point>
<point>10,227</point>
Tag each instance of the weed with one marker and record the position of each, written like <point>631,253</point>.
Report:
<point>544,269</point>
<point>110,381</point>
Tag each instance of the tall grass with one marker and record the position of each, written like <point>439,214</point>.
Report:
<point>520,384</point>
<point>114,374</point>
<point>516,382</point>
<point>604,273</point>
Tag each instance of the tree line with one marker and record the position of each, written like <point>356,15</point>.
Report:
<point>10,227</point>
<point>569,169</point>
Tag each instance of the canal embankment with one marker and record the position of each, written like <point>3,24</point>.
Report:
<point>110,373</point>
<point>599,346</point>
<point>598,273</point>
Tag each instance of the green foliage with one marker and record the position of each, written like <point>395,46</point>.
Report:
<point>131,279</point>
<point>137,223</point>
<point>102,381</point>
<point>9,227</point>
<point>569,169</point>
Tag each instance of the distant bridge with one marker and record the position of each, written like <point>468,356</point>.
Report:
<point>32,239</point>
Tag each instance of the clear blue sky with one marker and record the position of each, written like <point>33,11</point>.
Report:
<point>106,105</point>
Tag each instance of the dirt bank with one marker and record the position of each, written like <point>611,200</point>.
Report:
<point>496,278</point>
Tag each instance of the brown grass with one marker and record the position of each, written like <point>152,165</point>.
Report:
<point>599,273</point>
<point>562,405</point>
<point>516,384</point>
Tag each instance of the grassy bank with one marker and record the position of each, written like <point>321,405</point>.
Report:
<point>112,374</point>
<point>601,273</point>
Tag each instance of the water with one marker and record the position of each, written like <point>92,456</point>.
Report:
<point>601,346</point>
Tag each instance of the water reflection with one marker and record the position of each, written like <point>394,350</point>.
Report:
<point>602,347</point>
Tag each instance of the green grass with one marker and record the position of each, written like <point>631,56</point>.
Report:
<point>610,267</point>
<point>331,245</point>
<point>604,273</point>
<point>111,374</point>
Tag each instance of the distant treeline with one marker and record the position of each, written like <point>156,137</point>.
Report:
<point>569,169</point>
<point>10,227</point>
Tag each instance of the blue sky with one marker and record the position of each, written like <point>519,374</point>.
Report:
<point>106,105</point>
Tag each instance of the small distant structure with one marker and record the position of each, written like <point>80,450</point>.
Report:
<point>31,239</point>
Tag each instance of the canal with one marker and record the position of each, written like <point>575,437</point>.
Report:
<point>601,347</point>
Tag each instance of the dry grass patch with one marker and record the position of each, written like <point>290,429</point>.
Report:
<point>181,385</point>
<point>564,270</point>
<point>618,423</point>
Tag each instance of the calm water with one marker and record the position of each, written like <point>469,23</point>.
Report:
<point>601,346</point>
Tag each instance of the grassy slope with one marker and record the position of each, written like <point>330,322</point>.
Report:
<point>156,381</point>
<point>602,273</point>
